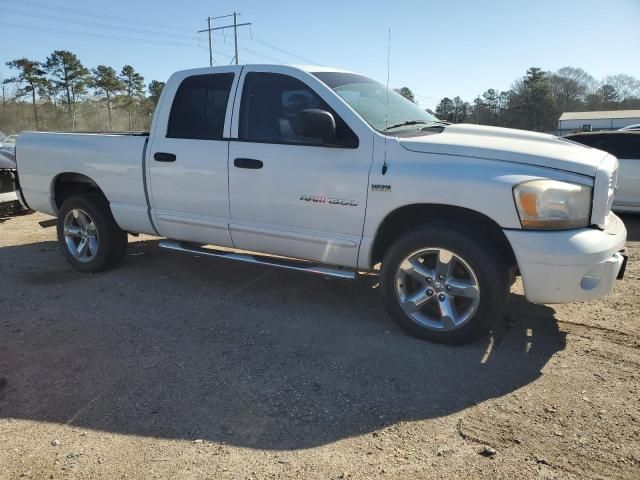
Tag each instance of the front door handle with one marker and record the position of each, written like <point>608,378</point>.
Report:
<point>164,157</point>
<point>248,163</point>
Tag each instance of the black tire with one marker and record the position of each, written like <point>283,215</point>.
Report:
<point>112,241</point>
<point>488,266</point>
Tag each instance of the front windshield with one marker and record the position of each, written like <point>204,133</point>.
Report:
<point>369,99</point>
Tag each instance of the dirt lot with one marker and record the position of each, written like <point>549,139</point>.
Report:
<point>174,366</point>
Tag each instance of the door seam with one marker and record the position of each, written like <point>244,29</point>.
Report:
<point>145,187</point>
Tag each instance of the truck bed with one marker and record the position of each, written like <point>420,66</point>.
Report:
<point>112,160</point>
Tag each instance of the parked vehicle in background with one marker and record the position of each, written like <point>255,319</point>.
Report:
<point>7,164</point>
<point>8,158</point>
<point>8,140</point>
<point>635,127</point>
<point>624,144</point>
<point>340,175</point>
<point>8,146</point>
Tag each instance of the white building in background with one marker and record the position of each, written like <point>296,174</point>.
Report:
<point>570,122</point>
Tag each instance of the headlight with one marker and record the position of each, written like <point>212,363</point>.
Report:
<point>549,204</point>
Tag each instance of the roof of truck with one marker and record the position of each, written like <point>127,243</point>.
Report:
<point>305,68</point>
<point>318,68</point>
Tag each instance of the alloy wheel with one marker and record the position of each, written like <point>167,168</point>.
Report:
<point>437,289</point>
<point>81,235</point>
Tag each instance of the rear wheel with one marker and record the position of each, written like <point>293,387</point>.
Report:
<point>442,284</point>
<point>88,236</point>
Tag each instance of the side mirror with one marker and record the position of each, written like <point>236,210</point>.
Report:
<point>318,123</point>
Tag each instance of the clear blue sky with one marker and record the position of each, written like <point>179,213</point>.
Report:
<point>438,48</point>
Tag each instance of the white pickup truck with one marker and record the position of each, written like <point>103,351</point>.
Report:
<point>326,171</point>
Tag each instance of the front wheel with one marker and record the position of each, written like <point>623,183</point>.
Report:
<point>442,284</point>
<point>89,237</point>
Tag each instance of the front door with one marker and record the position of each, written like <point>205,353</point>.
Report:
<point>187,158</point>
<point>289,194</point>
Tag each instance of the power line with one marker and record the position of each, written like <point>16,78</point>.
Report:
<point>276,48</point>
<point>138,31</point>
<point>94,24</point>
<point>101,36</point>
<point>262,55</point>
<point>282,50</point>
<point>88,13</point>
<point>128,29</point>
<point>92,35</point>
<point>86,23</point>
<point>273,47</point>
<point>424,96</point>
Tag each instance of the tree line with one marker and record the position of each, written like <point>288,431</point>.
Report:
<point>60,93</point>
<point>536,101</point>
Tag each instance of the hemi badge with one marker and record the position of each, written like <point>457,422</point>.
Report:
<point>380,188</point>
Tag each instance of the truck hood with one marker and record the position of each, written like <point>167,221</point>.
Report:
<point>509,145</point>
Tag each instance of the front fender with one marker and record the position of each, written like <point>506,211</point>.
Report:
<point>481,185</point>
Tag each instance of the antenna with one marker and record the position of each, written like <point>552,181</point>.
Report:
<point>386,113</point>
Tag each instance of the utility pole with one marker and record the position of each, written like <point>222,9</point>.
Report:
<point>210,49</point>
<point>235,35</point>
<point>235,26</point>
<point>4,98</point>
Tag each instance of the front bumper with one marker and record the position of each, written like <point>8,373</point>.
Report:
<point>569,265</point>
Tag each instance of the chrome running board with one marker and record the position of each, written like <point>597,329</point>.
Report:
<point>286,263</point>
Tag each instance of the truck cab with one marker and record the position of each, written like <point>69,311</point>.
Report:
<point>257,191</point>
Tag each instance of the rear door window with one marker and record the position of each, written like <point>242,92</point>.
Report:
<point>200,106</point>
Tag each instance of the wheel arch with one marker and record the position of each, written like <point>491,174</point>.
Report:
<point>67,184</point>
<point>409,217</point>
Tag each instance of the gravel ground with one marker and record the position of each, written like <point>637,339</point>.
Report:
<point>174,366</point>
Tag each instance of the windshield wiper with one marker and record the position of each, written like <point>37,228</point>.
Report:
<point>431,124</point>
<point>406,124</point>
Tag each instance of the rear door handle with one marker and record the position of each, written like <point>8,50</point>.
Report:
<point>248,163</point>
<point>164,157</point>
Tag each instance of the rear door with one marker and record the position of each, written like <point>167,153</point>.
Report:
<point>289,194</point>
<point>187,158</point>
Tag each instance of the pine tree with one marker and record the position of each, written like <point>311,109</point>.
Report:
<point>406,93</point>
<point>69,76</point>
<point>29,80</point>
<point>106,82</point>
<point>133,89</point>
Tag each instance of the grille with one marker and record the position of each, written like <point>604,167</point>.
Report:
<point>604,189</point>
<point>613,180</point>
